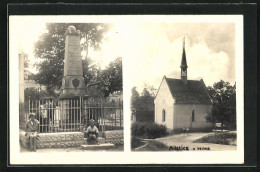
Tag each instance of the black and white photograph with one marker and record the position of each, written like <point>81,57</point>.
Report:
<point>184,87</point>
<point>70,88</point>
<point>124,89</point>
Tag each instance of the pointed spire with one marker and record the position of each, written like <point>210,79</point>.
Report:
<point>183,60</point>
<point>184,42</point>
<point>184,64</point>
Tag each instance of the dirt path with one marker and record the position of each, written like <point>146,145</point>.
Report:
<point>184,140</point>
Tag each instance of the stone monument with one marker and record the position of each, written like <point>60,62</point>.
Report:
<point>73,82</point>
<point>73,89</point>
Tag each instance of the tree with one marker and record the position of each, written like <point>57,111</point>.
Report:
<point>145,102</point>
<point>26,60</point>
<point>134,100</point>
<point>90,71</point>
<point>145,93</point>
<point>150,89</point>
<point>135,96</point>
<point>223,96</point>
<point>33,94</point>
<point>51,46</point>
<point>111,79</point>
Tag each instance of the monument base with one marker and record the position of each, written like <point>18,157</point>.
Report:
<point>72,96</point>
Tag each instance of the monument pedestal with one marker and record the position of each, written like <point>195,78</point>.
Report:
<point>73,89</point>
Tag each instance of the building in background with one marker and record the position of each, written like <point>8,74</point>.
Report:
<point>29,82</point>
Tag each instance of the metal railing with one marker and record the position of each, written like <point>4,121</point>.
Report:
<point>75,114</point>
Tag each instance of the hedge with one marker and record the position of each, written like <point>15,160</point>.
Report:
<point>148,130</point>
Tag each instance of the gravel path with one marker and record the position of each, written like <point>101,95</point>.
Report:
<point>184,140</point>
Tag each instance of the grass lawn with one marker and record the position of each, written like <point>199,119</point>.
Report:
<point>220,138</point>
<point>136,142</point>
<point>153,145</point>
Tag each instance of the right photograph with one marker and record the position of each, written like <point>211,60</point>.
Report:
<point>183,87</point>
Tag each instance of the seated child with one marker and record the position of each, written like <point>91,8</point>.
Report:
<point>92,132</point>
<point>31,131</point>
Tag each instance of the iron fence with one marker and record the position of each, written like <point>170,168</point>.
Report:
<point>75,114</point>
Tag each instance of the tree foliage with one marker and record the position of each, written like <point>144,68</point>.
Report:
<point>26,60</point>
<point>50,49</point>
<point>152,91</point>
<point>143,102</point>
<point>223,96</point>
<point>33,94</point>
<point>111,79</point>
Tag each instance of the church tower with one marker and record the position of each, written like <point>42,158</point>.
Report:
<point>184,64</point>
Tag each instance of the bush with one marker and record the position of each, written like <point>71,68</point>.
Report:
<point>148,130</point>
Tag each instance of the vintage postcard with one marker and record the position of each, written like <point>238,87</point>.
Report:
<point>126,89</point>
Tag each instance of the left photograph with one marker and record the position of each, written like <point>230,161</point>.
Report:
<point>70,87</point>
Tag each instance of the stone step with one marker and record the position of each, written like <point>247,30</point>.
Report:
<point>104,146</point>
<point>100,140</point>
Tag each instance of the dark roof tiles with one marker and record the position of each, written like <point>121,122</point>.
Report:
<point>193,92</point>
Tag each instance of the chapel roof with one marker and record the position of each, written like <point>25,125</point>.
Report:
<point>192,92</point>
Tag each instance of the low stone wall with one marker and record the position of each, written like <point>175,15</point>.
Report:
<point>65,139</point>
<point>69,139</point>
<point>55,140</point>
<point>114,136</point>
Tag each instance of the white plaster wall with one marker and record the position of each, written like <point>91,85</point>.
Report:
<point>164,101</point>
<point>183,116</point>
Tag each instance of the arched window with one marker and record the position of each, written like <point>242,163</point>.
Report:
<point>163,115</point>
<point>193,116</point>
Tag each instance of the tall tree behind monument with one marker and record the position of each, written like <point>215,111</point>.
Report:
<point>50,49</point>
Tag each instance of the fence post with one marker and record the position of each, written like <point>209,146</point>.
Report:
<point>74,108</point>
<point>29,110</point>
<point>103,108</point>
<point>70,115</point>
<point>120,117</point>
<point>102,118</point>
<point>49,115</point>
<point>61,114</point>
<point>80,106</point>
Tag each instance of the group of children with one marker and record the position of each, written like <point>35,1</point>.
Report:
<point>32,126</point>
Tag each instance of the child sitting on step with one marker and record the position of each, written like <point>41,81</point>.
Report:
<point>92,132</point>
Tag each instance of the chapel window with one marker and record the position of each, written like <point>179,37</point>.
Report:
<point>163,115</point>
<point>193,116</point>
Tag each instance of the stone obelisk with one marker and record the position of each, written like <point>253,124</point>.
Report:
<point>73,82</point>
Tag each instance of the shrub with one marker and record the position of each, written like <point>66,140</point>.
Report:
<point>148,130</point>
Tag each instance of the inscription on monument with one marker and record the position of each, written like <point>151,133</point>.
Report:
<point>74,48</point>
<point>73,82</point>
<point>74,72</point>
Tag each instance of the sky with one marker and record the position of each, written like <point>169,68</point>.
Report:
<point>153,49</point>
<point>210,52</point>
